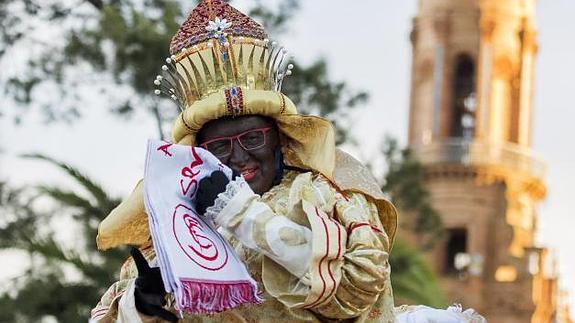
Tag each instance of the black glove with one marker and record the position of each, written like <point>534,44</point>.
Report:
<point>150,293</point>
<point>208,190</point>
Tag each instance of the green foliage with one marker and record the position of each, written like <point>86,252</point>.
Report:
<point>37,299</point>
<point>27,229</point>
<point>412,279</point>
<point>404,184</point>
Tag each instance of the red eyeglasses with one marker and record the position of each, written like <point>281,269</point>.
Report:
<point>248,140</point>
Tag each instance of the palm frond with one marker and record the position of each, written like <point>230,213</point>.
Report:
<point>103,199</point>
<point>69,198</point>
<point>53,251</point>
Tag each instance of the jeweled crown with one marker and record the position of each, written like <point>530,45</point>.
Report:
<point>216,48</point>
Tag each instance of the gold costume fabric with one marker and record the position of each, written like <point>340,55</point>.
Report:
<point>229,71</point>
<point>128,223</point>
<point>223,65</point>
<point>349,277</point>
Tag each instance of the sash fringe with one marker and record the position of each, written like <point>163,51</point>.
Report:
<point>201,297</point>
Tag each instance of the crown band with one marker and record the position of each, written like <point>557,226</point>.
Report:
<point>234,101</point>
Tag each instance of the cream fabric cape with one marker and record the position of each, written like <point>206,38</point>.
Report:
<point>310,145</point>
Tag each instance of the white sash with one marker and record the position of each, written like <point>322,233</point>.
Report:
<point>197,264</point>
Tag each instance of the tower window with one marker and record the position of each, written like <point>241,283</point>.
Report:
<point>456,254</point>
<point>464,101</point>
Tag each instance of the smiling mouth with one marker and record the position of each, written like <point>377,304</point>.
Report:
<point>249,173</point>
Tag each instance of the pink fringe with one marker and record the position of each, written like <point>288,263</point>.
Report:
<point>208,297</point>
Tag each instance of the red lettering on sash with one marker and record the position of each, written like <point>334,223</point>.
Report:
<point>164,149</point>
<point>189,173</point>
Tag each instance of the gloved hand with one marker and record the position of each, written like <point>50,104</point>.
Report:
<point>150,293</point>
<point>208,190</point>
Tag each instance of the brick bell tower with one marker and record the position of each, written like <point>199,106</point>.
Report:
<point>470,126</point>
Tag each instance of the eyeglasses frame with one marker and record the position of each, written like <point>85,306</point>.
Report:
<point>236,137</point>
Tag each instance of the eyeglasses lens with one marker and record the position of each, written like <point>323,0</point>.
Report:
<point>220,147</point>
<point>250,140</point>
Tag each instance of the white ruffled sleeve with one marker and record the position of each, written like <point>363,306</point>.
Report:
<point>240,211</point>
<point>425,314</point>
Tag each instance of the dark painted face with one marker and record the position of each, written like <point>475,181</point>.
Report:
<point>256,165</point>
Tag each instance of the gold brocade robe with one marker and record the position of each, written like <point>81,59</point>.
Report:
<point>349,275</point>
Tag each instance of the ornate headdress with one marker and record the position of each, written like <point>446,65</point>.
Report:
<point>222,64</point>
<point>219,48</point>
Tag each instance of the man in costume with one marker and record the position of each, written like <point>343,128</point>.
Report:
<point>311,225</point>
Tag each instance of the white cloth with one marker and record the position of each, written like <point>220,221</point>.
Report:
<point>196,263</point>
<point>240,200</point>
<point>425,314</point>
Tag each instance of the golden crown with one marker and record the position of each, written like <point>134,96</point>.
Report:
<point>216,48</point>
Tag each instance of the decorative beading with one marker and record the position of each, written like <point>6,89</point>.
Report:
<point>193,31</point>
<point>235,101</point>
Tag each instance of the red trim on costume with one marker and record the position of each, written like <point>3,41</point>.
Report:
<point>341,193</point>
<point>322,259</point>
<point>355,225</point>
<point>376,229</point>
<point>100,312</point>
<point>337,257</point>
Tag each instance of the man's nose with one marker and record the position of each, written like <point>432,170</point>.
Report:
<point>239,156</point>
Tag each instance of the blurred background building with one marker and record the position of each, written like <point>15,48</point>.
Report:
<point>470,126</point>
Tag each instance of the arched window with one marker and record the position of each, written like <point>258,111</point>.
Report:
<point>464,101</point>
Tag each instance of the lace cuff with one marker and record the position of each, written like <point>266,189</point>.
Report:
<point>254,224</point>
<point>422,313</point>
<point>225,197</point>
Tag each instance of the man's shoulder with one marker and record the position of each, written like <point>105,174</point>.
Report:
<point>351,175</point>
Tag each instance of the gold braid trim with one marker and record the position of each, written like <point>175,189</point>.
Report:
<point>185,124</point>
<point>282,103</point>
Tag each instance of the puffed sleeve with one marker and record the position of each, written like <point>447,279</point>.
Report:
<point>107,309</point>
<point>365,271</point>
<point>325,252</point>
